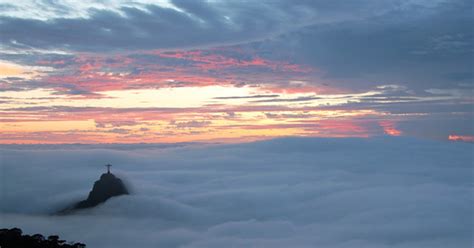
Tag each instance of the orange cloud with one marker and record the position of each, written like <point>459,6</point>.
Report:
<point>389,128</point>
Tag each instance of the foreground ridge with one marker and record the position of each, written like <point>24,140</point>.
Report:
<point>14,238</point>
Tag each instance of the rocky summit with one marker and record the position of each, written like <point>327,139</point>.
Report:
<point>108,186</point>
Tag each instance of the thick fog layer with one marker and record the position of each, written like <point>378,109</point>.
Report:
<point>291,192</point>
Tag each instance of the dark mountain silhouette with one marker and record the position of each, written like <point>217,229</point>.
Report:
<point>14,238</point>
<point>106,187</point>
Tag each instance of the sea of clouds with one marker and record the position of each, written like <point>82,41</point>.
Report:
<point>288,192</point>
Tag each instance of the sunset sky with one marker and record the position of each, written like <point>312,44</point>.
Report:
<point>228,71</point>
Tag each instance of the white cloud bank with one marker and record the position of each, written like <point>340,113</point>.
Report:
<point>292,192</point>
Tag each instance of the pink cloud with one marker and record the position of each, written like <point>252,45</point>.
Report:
<point>465,138</point>
<point>89,73</point>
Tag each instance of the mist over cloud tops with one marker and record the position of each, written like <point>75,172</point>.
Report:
<point>290,192</point>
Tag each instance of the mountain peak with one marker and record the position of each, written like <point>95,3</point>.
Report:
<point>106,187</point>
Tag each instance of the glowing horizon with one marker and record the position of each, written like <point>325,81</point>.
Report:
<point>216,80</point>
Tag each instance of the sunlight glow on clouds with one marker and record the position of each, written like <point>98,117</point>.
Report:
<point>12,70</point>
<point>230,70</point>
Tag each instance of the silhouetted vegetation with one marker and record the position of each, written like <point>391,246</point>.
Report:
<point>14,238</point>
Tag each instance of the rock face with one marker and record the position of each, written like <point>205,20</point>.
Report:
<point>108,186</point>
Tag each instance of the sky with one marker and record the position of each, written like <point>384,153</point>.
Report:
<point>285,192</point>
<point>182,71</point>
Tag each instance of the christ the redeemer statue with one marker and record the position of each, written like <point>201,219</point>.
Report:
<point>108,168</point>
